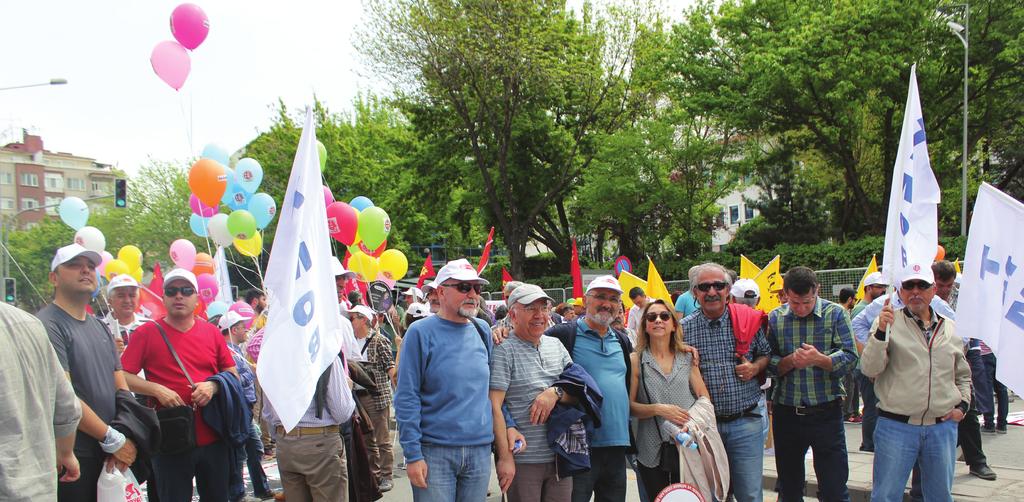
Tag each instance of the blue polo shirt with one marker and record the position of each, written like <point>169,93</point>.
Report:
<point>602,357</point>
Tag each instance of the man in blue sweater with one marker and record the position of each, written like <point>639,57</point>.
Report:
<point>445,423</point>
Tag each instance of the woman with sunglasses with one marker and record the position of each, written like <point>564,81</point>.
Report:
<point>665,384</point>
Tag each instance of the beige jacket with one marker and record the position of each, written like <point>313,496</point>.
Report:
<point>707,467</point>
<point>922,380</point>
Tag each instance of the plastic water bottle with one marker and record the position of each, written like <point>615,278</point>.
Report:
<point>682,437</point>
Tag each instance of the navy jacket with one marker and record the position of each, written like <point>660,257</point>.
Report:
<point>228,413</point>
<point>571,427</point>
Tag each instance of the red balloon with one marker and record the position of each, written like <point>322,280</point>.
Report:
<point>342,222</point>
<point>374,252</point>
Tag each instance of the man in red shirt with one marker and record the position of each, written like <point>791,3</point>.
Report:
<point>203,352</point>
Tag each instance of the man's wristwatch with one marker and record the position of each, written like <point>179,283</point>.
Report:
<point>558,392</point>
<point>963,407</point>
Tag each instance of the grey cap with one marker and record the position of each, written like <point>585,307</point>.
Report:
<point>527,294</point>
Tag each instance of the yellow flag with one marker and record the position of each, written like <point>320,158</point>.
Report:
<point>629,281</point>
<point>769,281</point>
<point>747,268</point>
<point>872,268</point>
<point>956,265</point>
<point>655,286</point>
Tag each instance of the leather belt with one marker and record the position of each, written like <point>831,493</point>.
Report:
<point>901,418</point>
<point>736,416</point>
<point>309,431</point>
<point>811,410</point>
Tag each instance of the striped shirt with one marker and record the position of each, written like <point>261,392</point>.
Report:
<point>828,328</point>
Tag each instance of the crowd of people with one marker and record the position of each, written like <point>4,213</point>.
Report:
<point>558,400</point>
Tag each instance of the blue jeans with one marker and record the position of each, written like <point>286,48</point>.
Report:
<point>207,464</point>
<point>870,417</point>
<point>743,439</point>
<point>251,454</point>
<point>821,431</point>
<point>899,446</point>
<point>455,473</point>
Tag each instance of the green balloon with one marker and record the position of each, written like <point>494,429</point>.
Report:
<point>241,224</point>
<point>323,154</point>
<point>374,226</point>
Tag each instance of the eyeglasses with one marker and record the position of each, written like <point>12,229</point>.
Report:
<point>536,309</point>
<point>706,286</point>
<point>465,287</point>
<point>603,298</point>
<point>184,290</point>
<point>653,316</point>
<point>920,285</point>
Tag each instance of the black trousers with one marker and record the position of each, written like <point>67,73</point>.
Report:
<point>84,489</point>
<point>824,433</point>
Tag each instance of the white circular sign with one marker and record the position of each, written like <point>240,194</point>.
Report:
<point>680,492</point>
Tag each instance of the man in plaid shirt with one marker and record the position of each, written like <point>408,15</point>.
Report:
<point>812,349</point>
<point>375,350</point>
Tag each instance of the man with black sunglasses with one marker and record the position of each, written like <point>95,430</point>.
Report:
<point>204,353</point>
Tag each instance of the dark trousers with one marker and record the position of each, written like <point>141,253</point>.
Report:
<point>823,432</point>
<point>1002,405</point>
<point>606,480</point>
<point>655,479</point>
<point>84,489</point>
<point>870,418</point>
<point>249,455</point>
<point>209,465</point>
<point>851,403</point>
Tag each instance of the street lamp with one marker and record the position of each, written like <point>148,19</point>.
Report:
<point>53,81</point>
<point>962,32</point>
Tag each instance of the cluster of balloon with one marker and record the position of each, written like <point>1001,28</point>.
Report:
<point>212,184</point>
<point>183,255</point>
<point>364,228</point>
<point>170,58</point>
<point>74,212</point>
<point>128,261</point>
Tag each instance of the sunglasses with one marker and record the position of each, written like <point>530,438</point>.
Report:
<point>706,286</point>
<point>184,290</point>
<point>609,299</point>
<point>466,287</point>
<point>920,285</point>
<point>654,316</point>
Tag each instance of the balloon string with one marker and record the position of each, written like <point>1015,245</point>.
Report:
<point>259,272</point>
<point>187,122</point>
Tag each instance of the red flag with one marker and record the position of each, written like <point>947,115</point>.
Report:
<point>505,277</point>
<point>577,275</point>
<point>151,303</point>
<point>487,252</point>
<point>426,272</point>
<point>157,282</point>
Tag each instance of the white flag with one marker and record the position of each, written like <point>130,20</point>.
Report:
<point>991,298</point>
<point>302,336</point>
<point>912,228</point>
<point>224,293</point>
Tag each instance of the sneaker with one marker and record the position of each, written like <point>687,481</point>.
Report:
<point>983,471</point>
<point>385,485</point>
<point>1000,429</point>
<point>988,429</point>
<point>857,419</point>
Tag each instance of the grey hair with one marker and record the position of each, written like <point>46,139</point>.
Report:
<point>692,273</point>
<point>695,272</point>
<point>510,287</point>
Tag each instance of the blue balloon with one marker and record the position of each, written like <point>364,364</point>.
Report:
<point>216,308</point>
<point>216,152</point>
<point>199,225</point>
<point>263,208</point>
<point>74,212</point>
<point>236,197</point>
<point>361,203</point>
<point>229,176</point>
<point>248,175</point>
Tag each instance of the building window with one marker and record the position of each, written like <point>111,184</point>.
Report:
<point>52,201</point>
<point>7,204</point>
<point>734,215</point>
<point>6,178</point>
<point>720,220</point>
<point>54,182</point>
<point>749,212</point>
<point>98,187</point>
<point>76,184</point>
<point>29,180</point>
<point>29,203</point>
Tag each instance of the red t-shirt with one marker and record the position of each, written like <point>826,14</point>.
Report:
<point>202,350</point>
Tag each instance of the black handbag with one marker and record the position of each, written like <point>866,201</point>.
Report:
<point>177,423</point>
<point>669,454</point>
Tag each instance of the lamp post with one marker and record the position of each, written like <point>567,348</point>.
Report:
<point>962,32</point>
<point>53,81</point>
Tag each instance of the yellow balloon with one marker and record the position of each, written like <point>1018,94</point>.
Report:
<point>250,247</point>
<point>354,248</point>
<point>131,256</point>
<point>364,265</point>
<point>116,267</point>
<point>137,274</point>
<point>394,264</point>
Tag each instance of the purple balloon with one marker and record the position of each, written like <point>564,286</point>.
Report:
<point>200,209</point>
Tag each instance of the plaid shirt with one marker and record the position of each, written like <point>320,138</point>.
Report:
<point>378,362</point>
<point>716,345</point>
<point>828,329</point>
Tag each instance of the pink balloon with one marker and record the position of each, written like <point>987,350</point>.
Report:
<point>207,287</point>
<point>106,257</point>
<point>189,25</point>
<point>342,222</point>
<point>200,209</point>
<point>183,254</point>
<point>171,63</point>
<point>328,196</point>
<point>244,310</point>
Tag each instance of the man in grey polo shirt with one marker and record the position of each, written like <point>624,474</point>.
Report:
<point>523,370</point>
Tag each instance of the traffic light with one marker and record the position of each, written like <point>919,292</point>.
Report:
<point>10,293</point>
<point>120,193</point>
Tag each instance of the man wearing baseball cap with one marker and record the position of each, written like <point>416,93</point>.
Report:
<point>747,292</point>
<point>444,415</point>
<point>874,286</point>
<point>204,353</point>
<point>123,296</point>
<point>375,350</point>
<point>86,351</point>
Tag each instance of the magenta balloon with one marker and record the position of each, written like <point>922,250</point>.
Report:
<point>342,222</point>
<point>171,63</point>
<point>207,287</point>
<point>328,196</point>
<point>189,25</point>
<point>200,209</point>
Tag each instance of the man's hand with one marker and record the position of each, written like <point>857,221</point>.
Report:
<point>417,472</point>
<point>690,349</point>
<point>806,355</point>
<point>167,397</point>
<point>542,405</point>
<point>673,414</point>
<point>67,467</point>
<point>745,370</point>
<point>886,317</point>
<point>956,415</point>
<point>514,435</point>
<point>203,392</point>
<point>506,472</point>
<point>119,343</point>
<point>126,455</point>
<point>499,334</point>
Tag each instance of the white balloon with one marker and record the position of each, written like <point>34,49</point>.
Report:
<point>91,238</point>
<point>218,228</point>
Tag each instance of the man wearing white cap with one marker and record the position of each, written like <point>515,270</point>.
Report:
<point>375,350</point>
<point>430,290</point>
<point>123,296</point>
<point>874,286</point>
<point>86,351</point>
<point>413,295</point>
<point>747,292</point>
<point>923,384</point>
<point>203,352</point>
<point>444,416</point>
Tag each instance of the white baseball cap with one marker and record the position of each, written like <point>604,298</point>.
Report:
<point>180,273</point>
<point>415,292</point>
<point>362,310</point>
<point>231,318</point>
<point>876,279</point>
<point>527,294</point>
<point>72,251</point>
<point>917,271</point>
<point>338,269</point>
<point>604,282</point>
<point>122,281</point>
<point>428,287</point>
<point>419,310</point>
<point>459,270</point>
<point>745,288</point>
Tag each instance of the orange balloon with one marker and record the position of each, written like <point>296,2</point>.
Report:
<point>208,180</point>
<point>939,256</point>
<point>204,264</point>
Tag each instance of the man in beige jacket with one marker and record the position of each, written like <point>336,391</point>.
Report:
<point>923,384</point>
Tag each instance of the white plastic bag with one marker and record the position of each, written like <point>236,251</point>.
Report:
<point>118,486</point>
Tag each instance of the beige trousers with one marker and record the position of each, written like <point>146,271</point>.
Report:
<point>313,468</point>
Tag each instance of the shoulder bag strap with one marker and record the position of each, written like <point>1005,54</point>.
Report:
<point>647,392</point>
<point>174,353</point>
<point>483,336</point>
